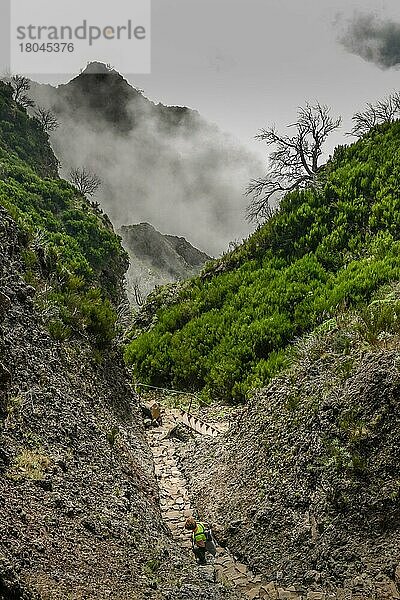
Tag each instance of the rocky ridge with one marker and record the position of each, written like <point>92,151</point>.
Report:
<point>157,259</point>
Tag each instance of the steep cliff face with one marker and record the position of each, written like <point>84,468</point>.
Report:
<point>157,259</point>
<point>79,502</point>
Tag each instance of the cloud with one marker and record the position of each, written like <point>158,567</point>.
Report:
<point>375,40</point>
<point>186,179</point>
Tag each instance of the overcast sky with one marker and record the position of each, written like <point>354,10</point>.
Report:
<point>248,63</point>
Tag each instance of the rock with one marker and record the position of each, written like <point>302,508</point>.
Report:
<point>25,292</point>
<point>4,460</point>
<point>173,514</point>
<point>181,433</point>
<point>5,375</point>
<point>45,484</point>
<point>387,590</point>
<point>207,572</point>
<point>5,304</point>
<point>241,568</point>
<point>288,595</point>
<point>269,591</point>
<point>253,593</point>
<point>311,576</point>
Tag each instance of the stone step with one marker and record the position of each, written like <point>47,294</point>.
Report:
<point>173,514</point>
<point>253,593</point>
<point>240,567</point>
<point>225,560</point>
<point>175,508</point>
<point>240,582</point>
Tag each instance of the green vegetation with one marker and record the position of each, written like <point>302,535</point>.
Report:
<point>72,257</point>
<point>329,247</point>
<point>24,137</point>
<point>30,465</point>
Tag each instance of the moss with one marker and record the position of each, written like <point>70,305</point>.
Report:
<point>30,465</point>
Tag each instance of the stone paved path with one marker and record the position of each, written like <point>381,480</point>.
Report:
<point>175,507</point>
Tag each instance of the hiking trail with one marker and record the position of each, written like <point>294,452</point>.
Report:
<point>176,507</point>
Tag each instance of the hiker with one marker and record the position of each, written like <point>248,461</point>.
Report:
<point>202,539</point>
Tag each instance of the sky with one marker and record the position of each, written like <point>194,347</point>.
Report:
<point>245,64</point>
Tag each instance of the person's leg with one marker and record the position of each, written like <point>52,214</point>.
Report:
<point>200,554</point>
<point>210,547</point>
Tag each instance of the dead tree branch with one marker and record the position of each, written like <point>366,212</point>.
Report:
<point>295,161</point>
<point>85,181</point>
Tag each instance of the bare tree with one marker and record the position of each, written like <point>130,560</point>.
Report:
<point>139,299</point>
<point>86,181</point>
<point>20,86</point>
<point>47,119</point>
<point>295,161</point>
<point>135,290</point>
<point>383,111</point>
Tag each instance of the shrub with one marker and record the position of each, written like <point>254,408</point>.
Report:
<point>30,465</point>
<point>68,244</point>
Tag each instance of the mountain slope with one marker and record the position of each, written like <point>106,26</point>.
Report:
<point>305,487</point>
<point>102,97</point>
<point>230,330</point>
<point>165,165</point>
<point>157,259</point>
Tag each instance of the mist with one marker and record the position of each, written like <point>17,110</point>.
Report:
<point>376,41</point>
<point>186,179</point>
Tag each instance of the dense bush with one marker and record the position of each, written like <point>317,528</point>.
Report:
<point>72,257</point>
<point>24,137</point>
<point>327,247</point>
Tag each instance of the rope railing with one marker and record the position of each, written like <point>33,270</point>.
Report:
<point>154,387</point>
<point>184,416</point>
<point>170,391</point>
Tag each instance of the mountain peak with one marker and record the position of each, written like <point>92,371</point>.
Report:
<point>99,68</point>
<point>156,258</point>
